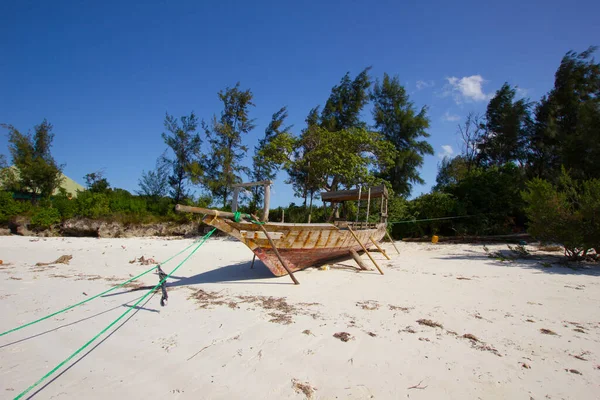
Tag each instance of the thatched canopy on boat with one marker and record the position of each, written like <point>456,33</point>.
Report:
<point>355,194</point>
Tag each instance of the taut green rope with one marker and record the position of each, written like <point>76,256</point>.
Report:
<point>430,219</point>
<point>94,297</point>
<point>237,217</point>
<point>66,360</point>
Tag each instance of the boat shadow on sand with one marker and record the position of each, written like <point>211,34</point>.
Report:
<point>239,273</point>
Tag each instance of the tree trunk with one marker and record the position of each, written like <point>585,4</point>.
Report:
<point>311,206</point>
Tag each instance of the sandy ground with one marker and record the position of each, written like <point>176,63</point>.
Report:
<point>231,332</point>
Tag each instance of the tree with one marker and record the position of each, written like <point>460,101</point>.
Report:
<point>186,166</point>
<point>273,151</point>
<point>38,172</point>
<point>567,119</point>
<point>225,136</point>
<point>346,101</point>
<point>507,126</point>
<point>451,171</point>
<point>471,134</point>
<point>155,184</point>
<point>397,120</point>
<point>303,182</point>
<point>345,158</point>
<point>96,182</point>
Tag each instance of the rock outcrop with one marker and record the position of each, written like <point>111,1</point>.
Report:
<point>82,227</point>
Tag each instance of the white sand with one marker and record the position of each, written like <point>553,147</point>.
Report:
<point>231,349</point>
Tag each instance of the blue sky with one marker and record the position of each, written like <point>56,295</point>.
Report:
<point>104,73</point>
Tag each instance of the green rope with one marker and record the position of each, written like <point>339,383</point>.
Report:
<point>237,217</point>
<point>429,219</point>
<point>96,296</point>
<point>66,360</point>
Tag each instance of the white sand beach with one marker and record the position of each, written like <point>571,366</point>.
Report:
<point>231,332</point>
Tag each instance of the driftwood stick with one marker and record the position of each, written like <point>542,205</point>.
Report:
<point>379,248</point>
<point>391,240</point>
<point>365,250</point>
<point>418,386</point>
<point>360,262</point>
<point>281,260</point>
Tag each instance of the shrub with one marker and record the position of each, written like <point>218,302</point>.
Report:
<point>66,206</point>
<point>428,206</point>
<point>9,207</point>
<point>92,205</point>
<point>492,197</point>
<point>568,213</point>
<point>121,201</point>
<point>44,218</point>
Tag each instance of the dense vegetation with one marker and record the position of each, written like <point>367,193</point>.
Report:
<point>523,164</point>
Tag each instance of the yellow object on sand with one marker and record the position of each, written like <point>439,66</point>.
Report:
<point>324,268</point>
<point>434,239</point>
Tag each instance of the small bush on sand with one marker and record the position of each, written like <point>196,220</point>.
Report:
<point>568,213</point>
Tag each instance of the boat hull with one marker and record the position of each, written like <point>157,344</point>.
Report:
<point>300,245</point>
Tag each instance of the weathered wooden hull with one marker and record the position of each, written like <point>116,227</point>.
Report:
<point>300,245</point>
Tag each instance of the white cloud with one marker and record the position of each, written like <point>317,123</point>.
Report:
<point>522,92</point>
<point>448,151</point>
<point>450,117</point>
<point>467,88</point>
<point>424,84</point>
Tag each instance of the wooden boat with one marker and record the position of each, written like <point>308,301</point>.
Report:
<point>288,247</point>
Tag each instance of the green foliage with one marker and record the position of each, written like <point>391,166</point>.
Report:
<point>67,206</point>
<point>155,184</point>
<point>398,209</point>
<point>9,207</point>
<point>122,202</point>
<point>38,173</point>
<point>299,214</point>
<point>44,217</point>
<point>399,123</point>
<point>566,213</point>
<point>428,206</point>
<point>273,151</point>
<point>490,195</point>
<point>565,132</point>
<point>451,171</point>
<point>163,206</point>
<point>224,167</point>
<point>96,182</point>
<point>507,127</point>
<point>186,165</point>
<point>345,103</point>
<point>304,183</point>
<point>347,157</point>
<point>93,205</point>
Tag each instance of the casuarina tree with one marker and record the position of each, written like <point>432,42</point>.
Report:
<point>38,172</point>
<point>224,167</point>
